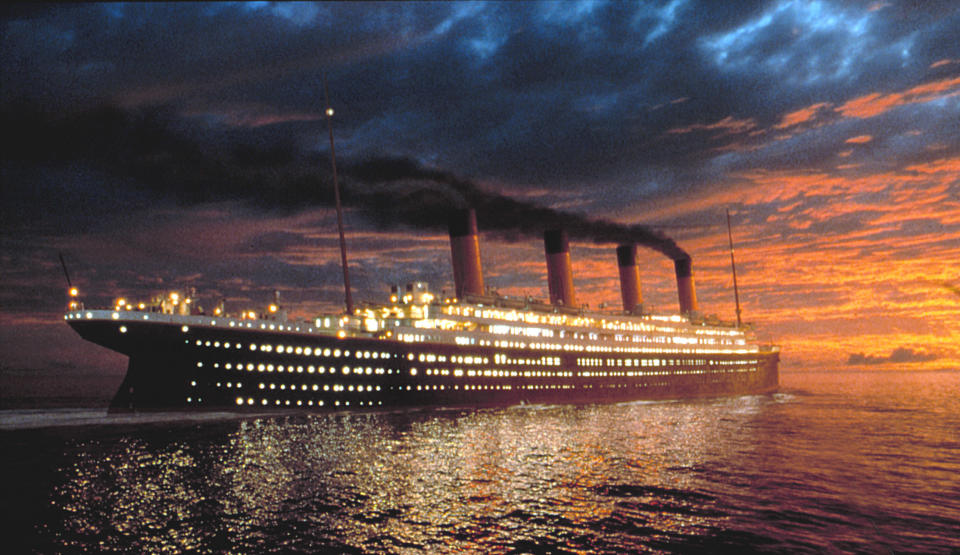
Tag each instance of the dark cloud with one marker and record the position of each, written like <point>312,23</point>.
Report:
<point>533,93</point>
<point>157,139</point>
<point>143,151</point>
<point>208,102</point>
<point>899,355</point>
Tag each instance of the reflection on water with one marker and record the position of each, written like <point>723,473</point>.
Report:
<point>380,481</point>
<point>803,470</point>
<point>142,498</point>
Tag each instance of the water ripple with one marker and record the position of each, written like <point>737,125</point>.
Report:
<point>832,466</point>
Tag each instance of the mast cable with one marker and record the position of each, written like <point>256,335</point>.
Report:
<point>65,272</point>
<point>733,266</point>
<point>348,297</point>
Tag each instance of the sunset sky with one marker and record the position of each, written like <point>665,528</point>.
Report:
<point>169,146</point>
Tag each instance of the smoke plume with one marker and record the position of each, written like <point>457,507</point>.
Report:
<point>155,152</point>
<point>401,191</point>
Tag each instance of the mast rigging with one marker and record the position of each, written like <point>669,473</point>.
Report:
<point>733,266</point>
<point>328,110</point>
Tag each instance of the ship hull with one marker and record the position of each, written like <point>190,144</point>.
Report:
<point>178,366</point>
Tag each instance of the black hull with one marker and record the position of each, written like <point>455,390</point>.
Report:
<point>175,367</point>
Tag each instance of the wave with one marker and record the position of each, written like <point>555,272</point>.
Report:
<point>29,419</point>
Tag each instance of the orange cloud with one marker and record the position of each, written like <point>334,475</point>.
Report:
<point>875,104</point>
<point>946,165</point>
<point>802,115</point>
<point>943,62</point>
<point>842,264</point>
<point>860,139</point>
<point>728,125</point>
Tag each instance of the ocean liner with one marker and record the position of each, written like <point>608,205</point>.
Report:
<point>418,349</point>
<point>474,349</point>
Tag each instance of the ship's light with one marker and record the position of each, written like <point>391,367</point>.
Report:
<point>273,308</point>
<point>330,112</point>
<point>74,291</point>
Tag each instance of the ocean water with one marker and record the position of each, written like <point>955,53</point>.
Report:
<point>836,462</point>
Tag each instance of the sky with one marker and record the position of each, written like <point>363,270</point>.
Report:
<point>169,146</point>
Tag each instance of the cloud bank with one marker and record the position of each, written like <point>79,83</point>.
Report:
<point>900,355</point>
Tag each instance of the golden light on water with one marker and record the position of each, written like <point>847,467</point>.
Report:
<point>411,478</point>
